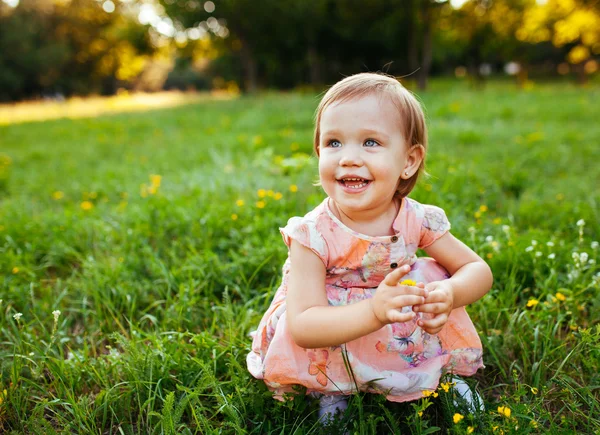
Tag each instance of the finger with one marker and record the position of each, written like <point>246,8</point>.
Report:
<point>432,331</point>
<point>431,308</point>
<point>407,300</point>
<point>437,322</point>
<point>435,296</point>
<point>420,285</point>
<point>397,316</point>
<point>431,286</point>
<point>394,277</point>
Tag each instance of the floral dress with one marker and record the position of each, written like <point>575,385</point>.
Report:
<point>400,360</point>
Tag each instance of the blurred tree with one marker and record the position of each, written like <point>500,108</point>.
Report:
<point>566,23</point>
<point>68,46</point>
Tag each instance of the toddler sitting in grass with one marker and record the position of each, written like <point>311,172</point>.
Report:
<point>356,309</point>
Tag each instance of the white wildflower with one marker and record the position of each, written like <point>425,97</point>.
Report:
<point>551,244</point>
<point>594,245</point>
<point>472,230</point>
<point>505,228</point>
<point>17,316</point>
<point>533,242</point>
<point>552,256</point>
<point>489,239</point>
<point>529,249</point>
<point>56,314</point>
<point>583,257</point>
<point>580,223</point>
<point>575,256</point>
<point>592,261</point>
<point>538,254</point>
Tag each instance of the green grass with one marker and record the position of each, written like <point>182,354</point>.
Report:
<point>158,292</point>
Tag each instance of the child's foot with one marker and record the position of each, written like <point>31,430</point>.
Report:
<point>468,396</point>
<point>329,406</point>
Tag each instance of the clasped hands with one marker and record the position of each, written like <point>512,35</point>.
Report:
<point>436,298</point>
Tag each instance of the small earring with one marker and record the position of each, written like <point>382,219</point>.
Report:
<point>406,173</point>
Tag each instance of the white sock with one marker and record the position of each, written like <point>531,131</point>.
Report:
<point>472,398</point>
<point>330,405</point>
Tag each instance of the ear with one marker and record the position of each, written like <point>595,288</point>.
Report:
<point>413,161</point>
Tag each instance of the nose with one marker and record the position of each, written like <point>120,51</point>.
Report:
<point>351,157</point>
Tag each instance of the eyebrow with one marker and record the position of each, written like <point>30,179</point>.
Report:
<point>364,131</point>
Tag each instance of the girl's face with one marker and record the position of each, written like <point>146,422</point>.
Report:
<point>363,155</point>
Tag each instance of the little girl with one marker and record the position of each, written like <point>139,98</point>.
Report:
<point>357,310</point>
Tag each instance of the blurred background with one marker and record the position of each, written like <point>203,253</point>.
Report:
<point>55,49</point>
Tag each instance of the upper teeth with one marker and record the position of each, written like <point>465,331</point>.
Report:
<point>353,179</point>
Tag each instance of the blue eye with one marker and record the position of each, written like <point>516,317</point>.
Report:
<point>334,144</point>
<point>371,143</point>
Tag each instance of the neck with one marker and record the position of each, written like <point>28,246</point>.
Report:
<point>369,222</point>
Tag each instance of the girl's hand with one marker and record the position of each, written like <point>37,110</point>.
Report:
<point>391,297</point>
<point>439,302</point>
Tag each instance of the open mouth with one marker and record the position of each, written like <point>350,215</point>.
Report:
<point>354,183</point>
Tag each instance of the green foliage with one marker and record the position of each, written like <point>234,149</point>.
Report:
<point>159,280</point>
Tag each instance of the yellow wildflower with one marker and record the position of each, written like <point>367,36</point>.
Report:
<point>58,195</point>
<point>260,204</point>
<point>240,203</point>
<point>489,255</point>
<point>457,418</point>
<point>496,221</point>
<point>155,179</point>
<point>86,205</point>
<point>408,282</point>
<point>293,188</point>
<point>270,193</point>
<point>277,196</point>
<point>534,390</point>
<point>504,410</point>
<point>446,386</point>
<point>483,208</point>
<point>427,393</point>
<point>470,429</point>
<point>560,196</point>
<point>261,193</point>
<point>560,296</point>
<point>152,189</point>
<point>532,303</point>
<point>234,217</point>
<point>294,146</point>
<point>420,413</point>
<point>15,270</point>
<point>477,214</point>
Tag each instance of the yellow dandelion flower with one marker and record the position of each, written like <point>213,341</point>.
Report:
<point>234,217</point>
<point>435,394</point>
<point>257,140</point>
<point>261,193</point>
<point>532,303</point>
<point>511,243</point>
<point>93,195</point>
<point>477,214</point>
<point>155,180</point>
<point>58,195</point>
<point>152,189</point>
<point>534,390</point>
<point>483,208</point>
<point>293,188</point>
<point>408,282</point>
<point>294,146</point>
<point>260,204</point>
<point>427,393</point>
<point>428,187</point>
<point>240,203</point>
<point>560,296</point>
<point>277,196</point>
<point>445,386</point>
<point>504,410</point>
<point>15,270</point>
<point>143,190</point>
<point>270,193</point>
<point>86,205</point>
<point>489,255</point>
<point>457,418</point>
<point>470,429</point>
<point>496,221</point>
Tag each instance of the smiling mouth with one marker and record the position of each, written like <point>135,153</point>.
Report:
<point>354,183</point>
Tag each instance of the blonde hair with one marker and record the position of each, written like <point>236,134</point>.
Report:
<point>409,110</point>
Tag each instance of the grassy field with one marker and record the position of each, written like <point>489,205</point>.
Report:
<point>138,250</point>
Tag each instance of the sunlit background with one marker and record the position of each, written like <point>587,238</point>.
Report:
<point>60,48</point>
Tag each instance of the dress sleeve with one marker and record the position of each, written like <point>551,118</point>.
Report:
<point>305,232</point>
<point>435,224</point>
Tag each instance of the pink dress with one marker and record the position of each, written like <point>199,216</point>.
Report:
<point>400,360</point>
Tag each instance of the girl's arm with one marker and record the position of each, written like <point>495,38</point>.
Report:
<point>471,279</point>
<point>313,323</point>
